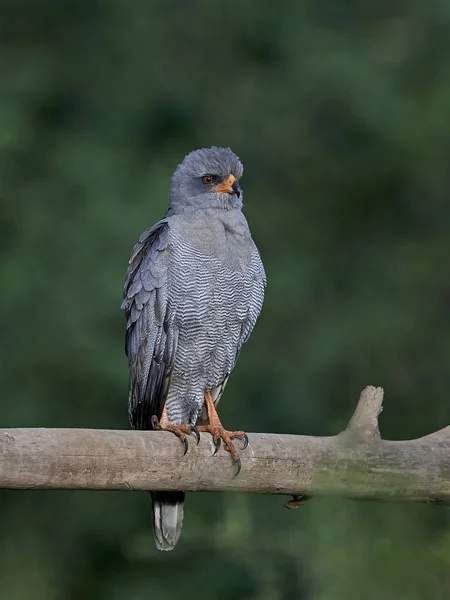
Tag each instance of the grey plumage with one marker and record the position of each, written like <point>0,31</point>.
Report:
<point>193,291</point>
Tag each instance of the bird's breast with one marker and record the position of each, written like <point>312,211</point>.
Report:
<point>223,236</point>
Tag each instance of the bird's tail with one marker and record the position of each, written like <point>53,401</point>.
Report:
<point>167,512</point>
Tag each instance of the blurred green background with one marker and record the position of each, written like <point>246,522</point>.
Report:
<point>340,111</point>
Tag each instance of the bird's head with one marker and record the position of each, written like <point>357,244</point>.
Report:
<point>207,178</point>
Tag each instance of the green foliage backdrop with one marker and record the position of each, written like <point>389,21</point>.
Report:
<point>340,111</point>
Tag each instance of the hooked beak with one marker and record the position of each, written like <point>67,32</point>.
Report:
<point>229,186</point>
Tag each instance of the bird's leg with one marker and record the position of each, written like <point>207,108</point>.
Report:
<point>180,430</point>
<point>216,429</point>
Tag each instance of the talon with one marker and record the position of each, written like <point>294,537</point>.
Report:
<point>195,431</point>
<point>155,422</point>
<point>243,438</point>
<point>218,444</point>
<point>186,445</point>
<point>237,462</point>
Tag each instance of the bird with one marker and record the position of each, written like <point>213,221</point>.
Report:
<point>193,291</point>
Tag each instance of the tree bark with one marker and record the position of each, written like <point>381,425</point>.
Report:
<point>356,463</point>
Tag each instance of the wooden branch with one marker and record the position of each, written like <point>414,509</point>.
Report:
<point>356,463</point>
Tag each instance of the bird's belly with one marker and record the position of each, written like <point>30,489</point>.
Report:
<point>209,331</point>
<point>211,303</point>
<point>206,354</point>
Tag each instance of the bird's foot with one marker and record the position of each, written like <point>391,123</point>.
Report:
<point>220,434</point>
<point>181,430</point>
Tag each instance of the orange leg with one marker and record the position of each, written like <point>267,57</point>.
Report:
<point>216,429</point>
<point>180,430</point>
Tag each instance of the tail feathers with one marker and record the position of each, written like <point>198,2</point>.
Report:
<point>167,518</point>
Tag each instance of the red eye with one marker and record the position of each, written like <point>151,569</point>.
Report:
<point>207,179</point>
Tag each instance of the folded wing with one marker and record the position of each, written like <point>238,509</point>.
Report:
<point>151,341</point>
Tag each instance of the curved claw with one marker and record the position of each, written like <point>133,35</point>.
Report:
<point>243,438</point>
<point>186,445</point>
<point>237,462</point>
<point>155,422</point>
<point>195,431</point>
<point>218,444</point>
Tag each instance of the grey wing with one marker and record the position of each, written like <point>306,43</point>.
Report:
<point>249,312</point>
<point>150,341</point>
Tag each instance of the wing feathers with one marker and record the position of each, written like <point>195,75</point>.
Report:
<point>150,342</point>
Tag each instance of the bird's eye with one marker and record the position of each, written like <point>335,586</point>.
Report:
<point>208,179</point>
